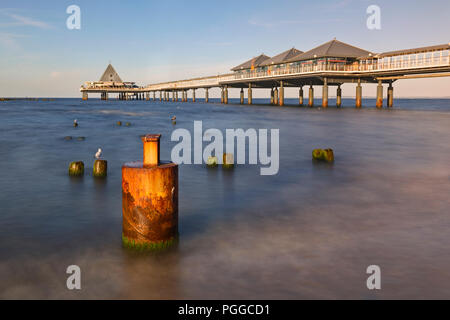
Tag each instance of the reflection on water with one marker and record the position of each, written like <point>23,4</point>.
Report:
<point>308,232</point>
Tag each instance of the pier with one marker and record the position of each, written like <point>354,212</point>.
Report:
<point>329,65</point>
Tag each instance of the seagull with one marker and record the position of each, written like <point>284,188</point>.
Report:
<point>75,123</point>
<point>174,118</point>
<point>98,154</point>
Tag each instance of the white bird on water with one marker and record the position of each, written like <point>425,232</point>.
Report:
<point>98,154</point>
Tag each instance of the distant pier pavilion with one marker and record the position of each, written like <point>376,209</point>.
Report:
<point>328,65</point>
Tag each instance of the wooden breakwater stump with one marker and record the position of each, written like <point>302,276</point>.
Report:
<point>100,169</point>
<point>212,162</point>
<point>150,200</point>
<point>228,161</point>
<point>76,169</point>
<point>325,155</point>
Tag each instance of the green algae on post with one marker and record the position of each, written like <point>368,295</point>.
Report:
<point>76,168</point>
<point>148,246</point>
<point>100,168</point>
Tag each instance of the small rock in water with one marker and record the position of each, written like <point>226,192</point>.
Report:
<point>100,168</point>
<point>76,168</point>
<point>212,162</point>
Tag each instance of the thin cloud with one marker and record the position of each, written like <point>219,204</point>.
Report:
<point>9,40</point>
<point>22,21</point>
<point>271,24</point>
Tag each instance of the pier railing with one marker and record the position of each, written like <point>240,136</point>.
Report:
<point>205,82</point>
<point>386,64</point>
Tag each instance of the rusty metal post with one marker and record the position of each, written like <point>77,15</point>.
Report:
<point>150,199</point>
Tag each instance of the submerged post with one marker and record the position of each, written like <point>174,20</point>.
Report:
<point>150,200</point>
<point>325,93</point>
<point>379,95</point>
<point>311,96</point>
<point>358,94</point>
<point>339,96</point>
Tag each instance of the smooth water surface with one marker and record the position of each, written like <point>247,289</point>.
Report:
<point>308,232</point>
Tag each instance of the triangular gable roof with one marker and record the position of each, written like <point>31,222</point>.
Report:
<point>282,57</point>
<point>110,75</point>
<point>254,62</point>
<point>333,48</point>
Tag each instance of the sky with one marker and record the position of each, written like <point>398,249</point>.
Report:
<point>156,41</point>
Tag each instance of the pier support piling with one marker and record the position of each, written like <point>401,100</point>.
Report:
<point>339,96</point>
<point>300,96</point>
<point>379,95</point>
<point>207,95</point>
<point>390,97</point>
<point>225,97</point>
<point>242,96</point>
<point>250,98</point>
<point>281,102</point>
<point>325,93</point>
<point>311,97</point>
<point>193,95</point>
<point>275,96</point>
<point>271,96</point>
<point>358,102</point>
<point>84,96</point>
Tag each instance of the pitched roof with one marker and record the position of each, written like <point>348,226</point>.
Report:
<point>110,75</point>
<point>254,62</point>
<point>282,57</point>
<point>333,48</point>
<point>415,50</point>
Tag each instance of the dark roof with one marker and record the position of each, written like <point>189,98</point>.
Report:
<point>255,62</point>
<point>110,75</point>
<point>333,48</point>
<point>416,50</point>
<point>282,57</point>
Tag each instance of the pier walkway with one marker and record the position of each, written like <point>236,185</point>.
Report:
<point>330,64</point>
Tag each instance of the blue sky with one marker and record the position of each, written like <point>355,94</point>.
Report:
<point>153,41</point>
